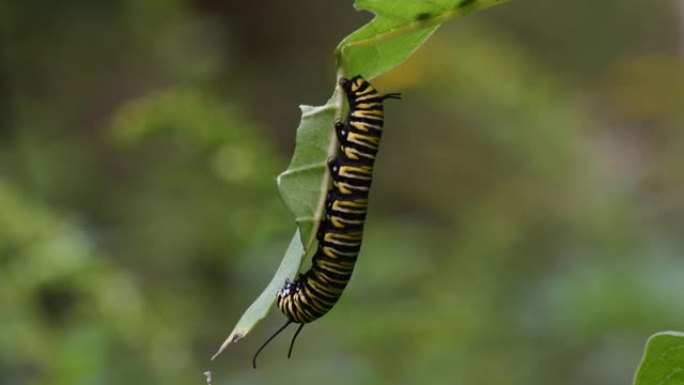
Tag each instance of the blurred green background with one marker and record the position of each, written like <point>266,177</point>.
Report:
<point>525,227</point>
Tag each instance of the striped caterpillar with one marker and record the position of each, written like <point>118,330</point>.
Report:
<point>313,293</point>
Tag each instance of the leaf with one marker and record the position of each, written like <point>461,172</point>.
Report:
<point>398,29</point>
<point>260,308</point>
<point>663,362</point>
<point>304,184</point>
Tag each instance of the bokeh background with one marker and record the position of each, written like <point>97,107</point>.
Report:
<point>526,222</point>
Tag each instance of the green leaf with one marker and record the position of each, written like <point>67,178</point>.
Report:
<point>398,28</point>
<point>260,308</point>
<point>663,362</point>
<point>304,184</point>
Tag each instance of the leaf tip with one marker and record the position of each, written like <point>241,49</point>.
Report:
<point>233,338</point>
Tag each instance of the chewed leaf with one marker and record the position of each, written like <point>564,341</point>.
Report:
<point>304,184</point>
<point>663,362</point>
<point>260,308</point>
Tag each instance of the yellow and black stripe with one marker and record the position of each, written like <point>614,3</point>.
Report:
<point>340,233</point>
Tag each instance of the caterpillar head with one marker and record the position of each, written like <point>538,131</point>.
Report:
<point>345,83</point>
<point>353,84</point>
<point>287,289</point>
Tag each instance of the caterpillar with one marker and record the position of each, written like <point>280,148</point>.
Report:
<point>340,233</point>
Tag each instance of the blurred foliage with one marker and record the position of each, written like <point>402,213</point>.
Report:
<point>526,217</point>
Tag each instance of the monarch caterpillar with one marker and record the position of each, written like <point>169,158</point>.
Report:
<point>340,233</point>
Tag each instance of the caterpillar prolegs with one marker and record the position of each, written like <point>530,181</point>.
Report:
<point>313,293</point>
